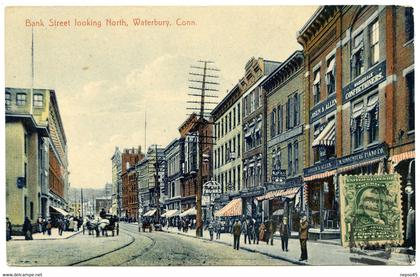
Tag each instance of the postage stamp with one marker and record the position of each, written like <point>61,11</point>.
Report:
<point>371,213</point>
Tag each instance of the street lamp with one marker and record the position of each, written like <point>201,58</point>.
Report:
<point>409,191</point>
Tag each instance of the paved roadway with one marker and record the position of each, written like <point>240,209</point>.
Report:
<point>131,248</point>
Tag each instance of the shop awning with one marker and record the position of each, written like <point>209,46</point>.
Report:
<point>150,213</point>
<point>60,211</point>
<point>279,212</point>
<point>320,175</point>
<point>289,193</point>
<point>233,208</point>
<point>361,164</point>
<point>327,136</point>
<point>396,159</point>
<point>191,211</point>
<point>171,213</point>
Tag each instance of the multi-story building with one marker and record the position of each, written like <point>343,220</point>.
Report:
<point>174,156</point>
<point>36,155</point>
<point>102,203</point>
<point>129,158</point>
<point>116,182</point>
<point>143,179</point>
<point>284,90</point>
<point>254,132</point>
<point>356,58</point>
<point>190,166</point>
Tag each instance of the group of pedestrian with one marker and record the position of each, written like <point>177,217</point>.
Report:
<point>214,227</point>
<point>264,231</point>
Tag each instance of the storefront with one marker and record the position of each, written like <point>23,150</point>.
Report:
<point>251,207</point>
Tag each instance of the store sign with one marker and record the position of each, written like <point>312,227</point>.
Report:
<point>252,193</point>
<point>366,155</point>
<point>371,212</point>
<point>286,135</point>
<point>320,167</point>
<point>323,108</point>
<point>279,175</point>
<point>363,83</point>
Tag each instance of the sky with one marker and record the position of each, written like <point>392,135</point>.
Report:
<point>107,78</point>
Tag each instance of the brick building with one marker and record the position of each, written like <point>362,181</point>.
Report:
<point>129,158</point>
<point>359,94</point>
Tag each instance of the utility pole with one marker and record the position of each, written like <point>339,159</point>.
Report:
<point>157,189</point>
<point>205,83</point>
<point>81,199</point>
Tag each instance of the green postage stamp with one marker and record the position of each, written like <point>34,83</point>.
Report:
<point>371,210</point>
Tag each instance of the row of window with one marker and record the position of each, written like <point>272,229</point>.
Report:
<point>229,180</point>
<point>228,152</point>
<point>252,101</point>
<point>228,122</point>
<point>286,116</point>
<point>292,159</point>
<point>38,100</point>
<point>253,172</point>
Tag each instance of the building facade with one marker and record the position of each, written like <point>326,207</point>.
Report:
<point>284,92</point>
<point>358,63</point>
<point>254,132</point>
<point>36,155</point>
<point>129,159</point>
<point>116,165</point>
<point>174,156</point>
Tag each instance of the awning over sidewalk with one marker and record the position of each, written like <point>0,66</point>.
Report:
<point>327,136</point>
<point>320,175</point>
<point>171,213</point>
<point>60,211</point>
<point>191,211</point>
<point>150,213</point>
<point>361,164</point>
<point>289,193</point>
<point>233,208</point>
<point>396,159</point>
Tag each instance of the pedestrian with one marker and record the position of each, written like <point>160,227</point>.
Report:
<point>245,230</point>
<point>303,237</point>
<point>236,234</point>
<point>60,226</point>
<point>39,224</point>
<point>211,229</point>
<point>27,229</point>
<point>8,229</point>
<point>49,226</point>
<point>256,231</point>
<point>271,228</point>
<point>261,232</point>
<point>284,234</point>
<point>44,226</point>
<point>218,229</point>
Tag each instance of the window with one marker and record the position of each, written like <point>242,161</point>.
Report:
<point>296,165</point>
<point>26,144</point>
<point>222,128</point>
<point>230,121</point>
<point>297,110</point>
<point>316,89</point>
<point>252,102</point>
<point>330,75</point>
<point>288,114</point>
<point>357,56</point>
<point>239,113</point>
<point>374,42</point>
<point>226,124</point>
<point>8,99</point>
<point>239,172</point>
<point>409,23</point>
<point>289,159</point>
<point>291,102</point>
<point>234,117</point>
<point>38,100</point>
<point>234,147</point>
<point>372,119</point>
<point>356,125</point>
<point>21,99</point>
<point>239,145</point>
<point>410,90</point>
<point>234,179</point>
<point>317,130</point>
<point>279,119</point>
<point>273,123</point>
<point>223,155</point>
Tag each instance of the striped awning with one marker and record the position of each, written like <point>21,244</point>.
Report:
<point>320,175</point>
<point>171,213</point>
<point>396,159</point>
<point>327,136</point>
<point>233,208</point>
<point>60,211</point>
<point>358,165</point>
<point>289,193</point>
<point>190,211</point>
<point>150,213</point>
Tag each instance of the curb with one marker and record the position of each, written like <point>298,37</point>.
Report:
<point>72,235</point>
<point>246,249</point>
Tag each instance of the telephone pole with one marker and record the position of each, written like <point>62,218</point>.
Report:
<point>204,81</point>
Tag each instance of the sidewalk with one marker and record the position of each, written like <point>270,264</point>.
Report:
<point>54,235</point>
<point>318,253</point>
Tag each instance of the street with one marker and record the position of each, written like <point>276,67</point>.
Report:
<point>130,248</point>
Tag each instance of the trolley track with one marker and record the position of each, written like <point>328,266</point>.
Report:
<point>125,246</point>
